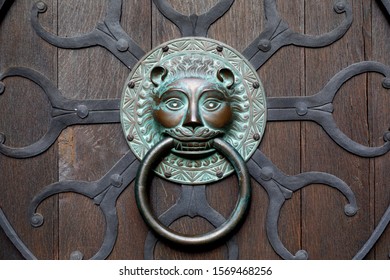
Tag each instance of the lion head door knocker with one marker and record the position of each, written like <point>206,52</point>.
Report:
<point>193,111</point>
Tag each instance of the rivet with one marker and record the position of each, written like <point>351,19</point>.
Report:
<point>219,174</point>
<point>131,84</point>
<point>339,7</point>
<point>301,255</point>
<point>76,255</point>
<point>264,45</point>
<point>219,48</point>
<point>36,220</point>
<point>256,85</point>
<point>116,180</point>
<point>167,174</point>
<point>2,87</point>
<point>82,111</point>
<point>130,137</point>
<point>301,109</point>
<point>256,137</point>
<point>386,83</point>
<point>122,45</point>
<point>165,48</point>
<point>350,210</point>
<point>267,173</point>
<point>41,6</point>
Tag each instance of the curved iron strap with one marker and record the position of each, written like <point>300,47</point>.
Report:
<point>280,187</point>
<point>104,193</point>
<point>278,34</point>
<point>380,228</point>
<point>193,25</point>
<point>65,112</point>
<point>12,235</point>
<point>386,5</point>
<point>192,203</point>
<point>108,34</point>
<point>4,6</point>
<point>153,156</point>
<point>319,108</point>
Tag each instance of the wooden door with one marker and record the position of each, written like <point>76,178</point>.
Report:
<point>313,219</point>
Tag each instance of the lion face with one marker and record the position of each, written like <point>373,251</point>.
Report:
<point>191,92</point>
<point>192,110</point>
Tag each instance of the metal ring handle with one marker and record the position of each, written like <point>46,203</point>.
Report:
<point>154,156</point>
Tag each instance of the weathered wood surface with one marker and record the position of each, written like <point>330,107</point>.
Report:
<point>24,113</point>
<point>312,220</point>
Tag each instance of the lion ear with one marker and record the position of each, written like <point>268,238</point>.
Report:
<point>158,75</point>
<point>226,76</point>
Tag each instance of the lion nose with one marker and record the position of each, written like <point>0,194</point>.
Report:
<point>192,118</point>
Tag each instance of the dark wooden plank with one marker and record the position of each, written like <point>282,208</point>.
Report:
<point>24,120</point>
<point>281,76</point>
<point>237,28</point>
<point>379,114</point>
<point>327,232</point>
<point>240,25</point>
<point>88,152</point>
<point>136,21</point>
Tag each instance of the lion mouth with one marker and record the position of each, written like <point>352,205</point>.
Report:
<point>193,143</point>
<point>192,149</point>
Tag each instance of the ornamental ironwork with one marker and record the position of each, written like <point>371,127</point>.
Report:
<point>193,110</point>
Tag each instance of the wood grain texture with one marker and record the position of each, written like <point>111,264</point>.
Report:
<point>283,75</point>
<point>379,121</point>
<point>88,152</point>
<point>24,113</point>
<point>327,232</point>
<point>313,219</point>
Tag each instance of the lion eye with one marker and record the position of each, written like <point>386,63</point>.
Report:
<point>212,104</point>
<point>174,104</point>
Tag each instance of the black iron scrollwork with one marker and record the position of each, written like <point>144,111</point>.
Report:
<point>193,25</point>
<point>386,5</point>
<point>380,228</point>
<point>104,193</point>
<point>319,108</point>
<point>15,239</point>
<point>281,187</point>
<point>108,34</point>
<point>193,202</point>
<point>4,6</point>
<point>278,34</point>
<point>64,113</point>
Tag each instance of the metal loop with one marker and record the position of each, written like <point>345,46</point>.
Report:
<point>141,194</point>
<point>64,112</point>
<point>319,108</point>
<point>108,34</point>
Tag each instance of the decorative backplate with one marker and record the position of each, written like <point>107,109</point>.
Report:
<point>199,59</point>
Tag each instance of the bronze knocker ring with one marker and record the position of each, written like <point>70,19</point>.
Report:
<point>153,156</point>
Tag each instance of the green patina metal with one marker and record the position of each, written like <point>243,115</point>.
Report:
<point>193,90</point>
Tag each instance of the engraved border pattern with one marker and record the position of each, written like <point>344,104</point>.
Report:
<point>138,132</point>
